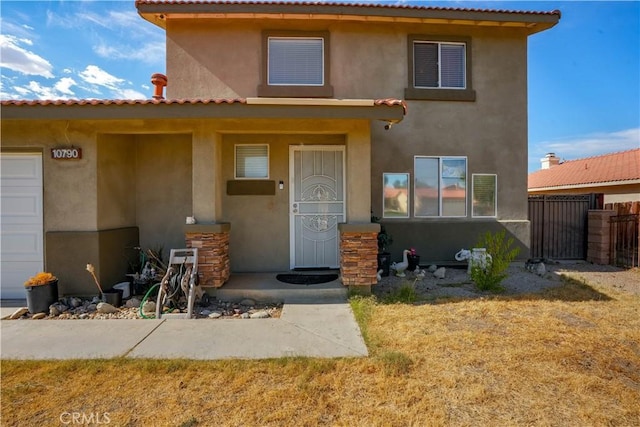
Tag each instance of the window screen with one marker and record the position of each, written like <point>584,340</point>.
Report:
<point>296,61</point>
<point>252,161</point>
<point>439,65</point>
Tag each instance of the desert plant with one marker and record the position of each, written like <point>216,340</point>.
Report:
<point>40,279</point>
<point>490,276</point>
<point>405,294</point>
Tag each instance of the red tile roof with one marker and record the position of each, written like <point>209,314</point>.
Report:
<point>121,101</point>
<point>389,102</point>
<point>607,168</point>
<point>326,4</point>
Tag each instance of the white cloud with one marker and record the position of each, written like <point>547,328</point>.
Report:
<point>64,85</point>
<point>16,58</point>
<point>148,53</point>
<point>582,146</point>
<point>96,76</point>
<point>130,94</point>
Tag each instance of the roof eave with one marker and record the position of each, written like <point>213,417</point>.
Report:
<point>158,13</point>
<point>384,110</point>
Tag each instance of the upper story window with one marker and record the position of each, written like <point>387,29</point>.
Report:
<point>439,65</point>
<point>439,68</point>
<point>295,64</point>
<point>296,61</point>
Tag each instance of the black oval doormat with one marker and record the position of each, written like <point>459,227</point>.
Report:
<point>306,279</point>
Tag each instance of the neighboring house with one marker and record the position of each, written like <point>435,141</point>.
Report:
<point>615,175</point>
<point>279,121</point>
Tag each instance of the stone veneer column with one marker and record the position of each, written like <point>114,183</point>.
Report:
<point>598,239</point>
<point>212,241</point>
<point>359,254</point>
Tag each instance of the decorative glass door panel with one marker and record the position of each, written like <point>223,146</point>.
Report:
<point>317,205</point>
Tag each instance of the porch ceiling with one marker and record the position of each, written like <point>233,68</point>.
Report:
<point>388,110</point>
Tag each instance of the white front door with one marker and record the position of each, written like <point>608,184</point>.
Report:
<point>22,254</point>
<point>317,205</point>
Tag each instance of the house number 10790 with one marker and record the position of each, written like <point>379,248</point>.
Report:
<point>66,153</point>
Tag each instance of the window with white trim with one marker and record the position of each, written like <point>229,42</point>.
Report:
<point>439,65</point>
<point>252,161</point>
<point>440,186</point>
<point>484,188</point>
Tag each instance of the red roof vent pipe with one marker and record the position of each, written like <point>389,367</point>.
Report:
<point>159,81</point>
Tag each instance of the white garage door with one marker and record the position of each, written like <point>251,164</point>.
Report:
<point>22,243</point>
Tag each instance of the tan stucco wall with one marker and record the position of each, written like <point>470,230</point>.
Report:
<point>371,62</point>
<point>135,187</point>
<point>260,223</point>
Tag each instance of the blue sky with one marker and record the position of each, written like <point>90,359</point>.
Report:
<point>584,74</point>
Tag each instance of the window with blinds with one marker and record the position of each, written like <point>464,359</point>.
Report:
<point>295,61</point>
<point>439,65</point>
<point>252,161</point>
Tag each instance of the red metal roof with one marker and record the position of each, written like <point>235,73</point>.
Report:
<point>613,167</point>
<point>397,5</point>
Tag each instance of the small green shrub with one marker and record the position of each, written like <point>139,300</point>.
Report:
<point>502,254</point>
<point>406,294</point>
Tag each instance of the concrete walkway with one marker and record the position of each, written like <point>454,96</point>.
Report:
<point>323,328</point>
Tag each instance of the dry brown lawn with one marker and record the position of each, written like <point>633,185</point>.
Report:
<point>568,357</point>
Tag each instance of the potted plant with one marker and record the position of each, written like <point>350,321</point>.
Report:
<point>384,241</point>
<point>42,291</point>
<point>414,259</point>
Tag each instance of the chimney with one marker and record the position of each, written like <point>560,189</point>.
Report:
<point>550,160</point>
<point>159,81</point>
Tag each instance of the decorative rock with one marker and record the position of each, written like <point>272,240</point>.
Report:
<point>205,312</point>
<point>91,307</point>
<point>75,302</point>
<point>432,268</point>
<point>105,307</point>
<point>215,315</point>
<point>149,307</point>
<point>541,270</point>
<point>439,273</point>
<point>248,302</point>
<point>83,316</point>
<point>38,316</point>
<point>96,300</point>
<point>132,303</point>
<point>57,308</point>
<point>19,313</point>
<point>259,315</point>
<point>245,315</point>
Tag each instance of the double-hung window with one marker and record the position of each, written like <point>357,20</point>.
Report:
<point>439,69</point>
<point>295,64</point>
<point>440,187</point>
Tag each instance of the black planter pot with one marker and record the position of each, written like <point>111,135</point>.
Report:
<point>39,298</point>
<point>414,261</point>
<point>384,263</point>
<point>113,296</point>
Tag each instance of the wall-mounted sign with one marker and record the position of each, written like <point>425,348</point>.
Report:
<point>72,153</point>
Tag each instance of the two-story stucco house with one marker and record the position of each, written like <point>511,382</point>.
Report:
<point>282,127</point>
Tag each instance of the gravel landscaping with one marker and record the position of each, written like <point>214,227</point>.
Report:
<point>520,280</point>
